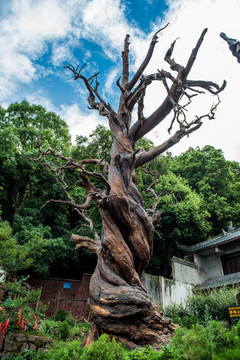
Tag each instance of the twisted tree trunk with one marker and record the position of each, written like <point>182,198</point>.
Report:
<point>119,304</point>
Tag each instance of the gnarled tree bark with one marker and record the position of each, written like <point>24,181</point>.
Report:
<point>119,304</point>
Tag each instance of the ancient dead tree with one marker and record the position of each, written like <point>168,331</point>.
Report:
<point>119,304</point>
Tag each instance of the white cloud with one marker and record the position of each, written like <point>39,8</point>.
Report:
<point>79,122</point>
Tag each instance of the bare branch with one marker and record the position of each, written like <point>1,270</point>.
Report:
<point>145,62</point>
<point>193,55</point>
<point>86,205</point>
<point>171,62</point>
<point>185,130</point>
<point>208,85</point>
<point>83,241</point>
<point>125,64</point>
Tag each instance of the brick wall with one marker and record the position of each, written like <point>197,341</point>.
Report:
<point>69,295</point>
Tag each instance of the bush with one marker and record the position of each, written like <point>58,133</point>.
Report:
<point>69,350</point>
<point>148,353</point>
<point>61,315</point>
<point>229,354</point>
<point>104,349</point>
<point>63,330</point>
<point>21,308</point>
<point>215,300</point>
<point>144,354</point>
<point>186,321</point>
<point>190,344</point>
<point>27,354</point>
<point>49,328</point>
<point>203,342</point>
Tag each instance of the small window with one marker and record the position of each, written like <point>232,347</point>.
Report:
<point>67,285</point>
<point>231,263</point>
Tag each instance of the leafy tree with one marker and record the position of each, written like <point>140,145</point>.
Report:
<point>183,220</point>
<point>23,129</point>
<point>15,257</point>
<point>216,179</point>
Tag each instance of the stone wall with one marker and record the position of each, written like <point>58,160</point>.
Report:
<point>16,342</point>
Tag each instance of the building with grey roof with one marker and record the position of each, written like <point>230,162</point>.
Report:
<point>212,263</point>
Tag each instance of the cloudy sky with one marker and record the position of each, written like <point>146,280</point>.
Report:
<point>37,37</point>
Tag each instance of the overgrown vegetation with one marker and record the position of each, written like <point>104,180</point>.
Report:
<point>214,302</point>
<point>203,333</point>
<point>211,341</point>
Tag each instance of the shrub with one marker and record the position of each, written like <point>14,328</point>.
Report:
<point>17,308</point>
<point>61,315</point>
<point>104,349</point>
<point>190,344</point>
<point>69,350</point>
<point>27,354</point>
<point>186,321</point>
<point>215,300</point>
<point>49,328</point>
<point>202,342</point>
<point>144,354</point>
<point>229,354</point>
<point>63,330</point>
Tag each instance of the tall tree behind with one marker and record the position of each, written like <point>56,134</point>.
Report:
<point>23,127</point>
<point>216,180</point>
<point>119,304</point>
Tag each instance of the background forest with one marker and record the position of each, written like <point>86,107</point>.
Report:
<point>199,194</point>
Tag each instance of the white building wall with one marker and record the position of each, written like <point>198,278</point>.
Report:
<point>209,266</point>
<point>165,291</point>
<point>185,271</point>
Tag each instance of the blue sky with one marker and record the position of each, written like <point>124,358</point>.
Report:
<point>38,36</point>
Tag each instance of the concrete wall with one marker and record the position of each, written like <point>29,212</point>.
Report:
<point>209,266</point>
<point>185,272</point>
<point>165,291</point>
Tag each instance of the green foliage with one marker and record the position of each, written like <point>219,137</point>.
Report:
<point>49,328</point>
<point>215,301</point>
<point>27,354</point>
<point>147,353</point>
<point>69,350</point>
<point>183,219</point>
<point>16,256</point>
<point>63,330</point>
<point>186,321</point>
<point>16,306</point>
<point>228,354</point>
<point>216,180</point>
<point>202,342</point>
<point>23,127</point>
<point>97,147</point>
<point>104,349</point>
<point>61,315</point>
<point>190,344</point>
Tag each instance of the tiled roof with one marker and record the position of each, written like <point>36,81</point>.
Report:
<point>226,280</point>
<point>216,241</point>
